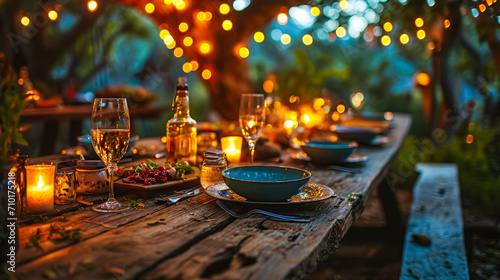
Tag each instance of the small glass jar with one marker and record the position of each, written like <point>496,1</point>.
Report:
<point>214,162</point>
<point>64,188</point>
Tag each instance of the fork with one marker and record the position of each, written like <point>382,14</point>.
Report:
<point>262,212</point>
<point>172,199</point>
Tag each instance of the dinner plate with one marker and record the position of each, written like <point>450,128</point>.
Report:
<point>312,192</point>
<point>354,158</point>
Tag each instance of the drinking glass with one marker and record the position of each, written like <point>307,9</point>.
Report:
<point>110,130</point>
<point>252,117</point>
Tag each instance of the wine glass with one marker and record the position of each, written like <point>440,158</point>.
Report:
<point>110,130</point>
<point>252,117</point>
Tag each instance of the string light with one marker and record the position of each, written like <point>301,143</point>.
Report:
<point>343,4</point>
<point>282,18</point>
<point>149,8</point>
<point>341,32</point>
<point>386,40</point>
<point>489,2</point>
<point>243,52</point>
<point>183,27</point>
<point>421,34</point>
<point>92,6</point>
<point>52,15</point>
<point>168,2</point>
<point>447,23</point>
<point>341,108</point>
<point>419,22</point>
<point>208,16</point>
<point>205,48</point>
<point>188,41</point>
<point>285,39</point>
<point>224,9</point>
<point>482,8</point>
<point>194,65</point>
<point>206,74</point>
<point>164,33</point>
<point>200,16</point>
<point>187,67</point>
<point>404,39</point>
<point>227,25</point>
<point>25,21</point>
<point>258,37</point>
<point>178,52</point>
<point>315,11</point>
<point>179,4</point>
<point>388,26</point>
<point>307,39</point>
<point>268,86</point>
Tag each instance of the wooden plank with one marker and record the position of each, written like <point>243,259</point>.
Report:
<point>254,248</point>
<point>436,214</point>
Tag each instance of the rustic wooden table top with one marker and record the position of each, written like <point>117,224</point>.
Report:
<point>196,239</point>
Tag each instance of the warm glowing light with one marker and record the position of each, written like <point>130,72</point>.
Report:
<point>92,6</point>
<point>335,116</point>
<point>489,2</point>
<point>470,139</point>
<point>423,79</point>
<point>341,108</point>
<point>205,48</point>
<point>188,41</point>
<point>282,18</point>
<point>194,65</point>
<point>243,52</point>
<point>482,8</point>
<point>431,46</point>
<point>164,139</point>
<point>258,37</point>
<point>357,99</point>
<point>293,98</point>
<point>315,11</point>
<point>447,23</point>
<point>206,74</point>
<point>20,81</point>
<point>386,40</point>
<point>168,40</point>
<point>285,39</point>
<point>388,26</point>
<point>168,2</point>
<point>227,25</point>
<point>289,123</point>
<point>268,86</point>
<point>341,32</point>
<point>171,45</point>
<point>421,34</point>
<point>183,27</point>
<point>231,145</point>
<point>25,21</point>
<point>187,67</point>
<point>208,16</point>
<point>178,52</point>
<point>388,116</point>
<point>179,4</point>
<point>224,9</point>
<point>164,33</point>
<point>52,15</point>
<point>305,118</point>
<point>419,22</point>
<point>343,4</point>
<point>404,39</point>
<point>200,16</point>
<point>307,39</point>
<point>251,124</point>
<point>318,103</point>
<point>149,8</point>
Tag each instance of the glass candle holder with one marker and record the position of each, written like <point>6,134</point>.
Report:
<point>64,188</point>
<point>231,145</point>
<point>40,188</point>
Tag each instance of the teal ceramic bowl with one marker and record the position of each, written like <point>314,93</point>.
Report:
<point>327,152</point>
<point>362,135</point>
<point>266,183</point>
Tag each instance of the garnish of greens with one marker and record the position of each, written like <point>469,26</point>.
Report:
<point>149,172</point>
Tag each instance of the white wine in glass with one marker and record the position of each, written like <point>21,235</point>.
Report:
<point>252,117</point>
<point>110,131</point>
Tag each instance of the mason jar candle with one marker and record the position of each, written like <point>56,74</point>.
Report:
<point>40,188</point>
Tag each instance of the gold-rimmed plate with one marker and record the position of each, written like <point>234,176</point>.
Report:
<point>312,192</point>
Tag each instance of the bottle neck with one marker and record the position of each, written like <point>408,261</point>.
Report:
<point>181,104</point>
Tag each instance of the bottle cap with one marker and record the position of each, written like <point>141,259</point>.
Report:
<point>183,80</point>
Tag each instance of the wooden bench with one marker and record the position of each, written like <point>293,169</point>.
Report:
<point>434,244</point>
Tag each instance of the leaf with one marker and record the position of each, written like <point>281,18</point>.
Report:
<point>18,138</point>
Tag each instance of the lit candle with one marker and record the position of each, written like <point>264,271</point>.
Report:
<point>40,188</point>
<point>231,145</point>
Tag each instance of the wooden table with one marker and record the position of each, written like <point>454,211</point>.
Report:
<point>51,116</point>
<point>196,239</point>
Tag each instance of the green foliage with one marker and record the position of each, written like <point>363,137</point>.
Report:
<point>12,103</point>
<point>478,163</point>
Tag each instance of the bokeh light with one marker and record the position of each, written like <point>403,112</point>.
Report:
<point>224,9</point>
<point>343,4</point>
<point>243,52</point>
<point>315,11</point>
<point>421,34</point>
<point>282,18</point>
<point>388,27</point>
<point>419,22</point>
<point>178,52</point>
<point>258,37</point>
<point>423,79</point>
<point>404,39</point>
<point>186,67</point>
<point>149,8</point>
<point>268,86</point>
<point>205,48</point>
<point>92,6</point>
<point>206,74</point>
<point>307,39</point>
<point>341,32</point>
<point>194,65</point>
<point>25,21</point>
<point>183,27</point>
<point>188,41</point>
<point>386,40</point>
<point>446,23</point>
<point>52,15</point>
<point>227,25</point>
<point>285,39</point>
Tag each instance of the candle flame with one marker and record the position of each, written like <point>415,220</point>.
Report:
<point>40,182</point>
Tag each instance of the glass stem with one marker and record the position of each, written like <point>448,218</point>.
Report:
<point>251,144</point>
<point>111,172</point>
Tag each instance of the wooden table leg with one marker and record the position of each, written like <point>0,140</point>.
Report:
<point>390,203</point>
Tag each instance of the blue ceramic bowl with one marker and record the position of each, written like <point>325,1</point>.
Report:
<point>266,183</point>
<point>362,135</point>
<point>327,152</point>
<point>85,141</point>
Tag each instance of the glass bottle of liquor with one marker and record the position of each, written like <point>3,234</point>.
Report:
<point>181,129</point>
